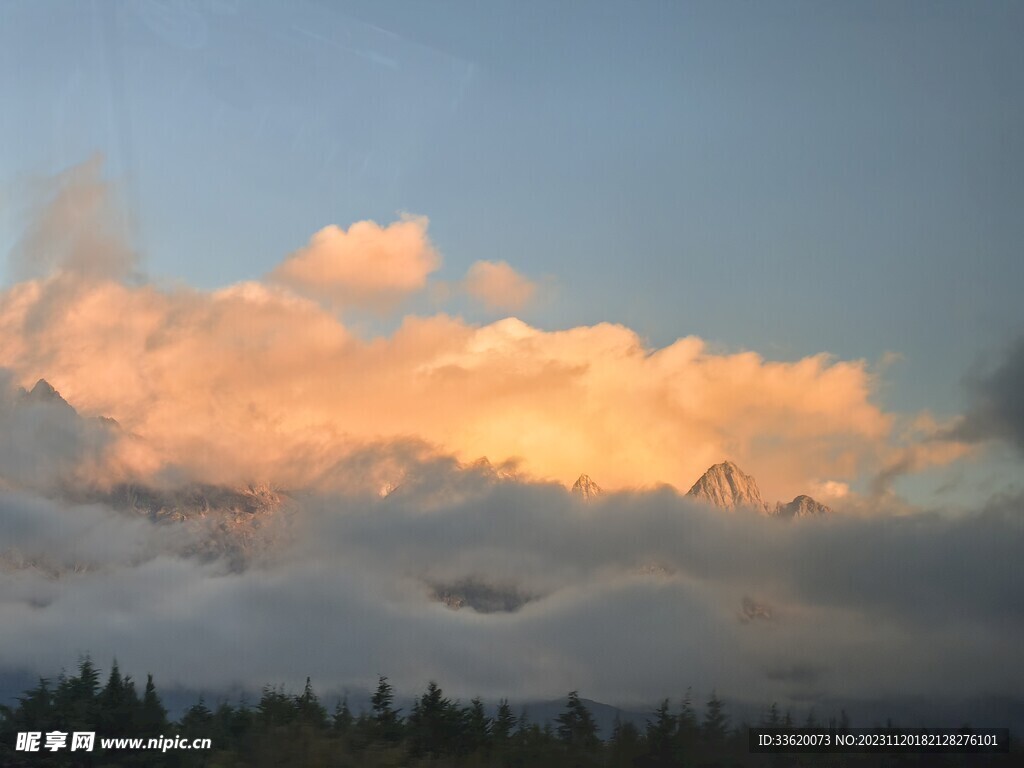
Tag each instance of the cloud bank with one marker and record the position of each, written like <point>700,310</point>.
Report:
<point>997,410</point>
<point>254,381</point>
<point>145,538</point>
<point>636,595</point>
<point>264,381</point>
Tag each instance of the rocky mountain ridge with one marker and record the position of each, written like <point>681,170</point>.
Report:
<point>586,488</point>
<point>726,486</point>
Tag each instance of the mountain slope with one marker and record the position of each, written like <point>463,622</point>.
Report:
<point>725,485</point>
<point>801,506</point>
<point>586,488</point>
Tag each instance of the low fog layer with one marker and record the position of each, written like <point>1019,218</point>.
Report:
<point>627,596</point>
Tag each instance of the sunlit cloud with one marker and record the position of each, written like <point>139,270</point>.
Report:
<point>265,381</point>
<point>255,381</point>
<point>498,286</point>
<point>215,469</point>
<point>366,265</point>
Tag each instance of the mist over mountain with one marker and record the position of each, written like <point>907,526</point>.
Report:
<point>727,487</point>
<point>801,506</point>
<point>499,584</point>
<point>670,350</point>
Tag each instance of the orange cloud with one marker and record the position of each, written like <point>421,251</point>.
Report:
<point>498,286</point>
<point>263,381</point>
<point>253,381</point>
<point>368,265</point>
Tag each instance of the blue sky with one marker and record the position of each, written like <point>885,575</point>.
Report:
<point>790,178</point>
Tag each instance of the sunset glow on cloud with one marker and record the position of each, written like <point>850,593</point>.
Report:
<point>259,381</point>
<point>499,286</point>
<point>364,265</point>
<point>702,379</point>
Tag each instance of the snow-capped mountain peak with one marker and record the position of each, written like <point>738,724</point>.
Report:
<point>586,487</point>
<point>801,506</point>
<point>726,485</point>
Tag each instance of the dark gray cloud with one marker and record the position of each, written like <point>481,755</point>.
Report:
<point>631,596</point>
<point>997,410</point>
<point>635,595</point>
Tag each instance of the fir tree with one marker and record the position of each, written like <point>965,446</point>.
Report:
<point>577,731</point>
<point>715,722</point>
<point>504,723</point>
<point>625,747</point>
<point>661,734</point>
<point>276,708</point>
<point>477,727</point>
<point>197,722</point>
<point>687,730</point>
<point>435,725</point>
<point>309,709</point>
<point>342,720</point>
<point>152,717</point>
<point>35,707</point>
<point>75,700</point>
<point>385,716</point>
<point>118,704</point>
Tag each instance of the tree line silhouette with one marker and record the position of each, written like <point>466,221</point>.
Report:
<point>297,730</point>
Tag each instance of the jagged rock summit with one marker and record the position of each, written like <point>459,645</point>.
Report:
<point>801,506</point>
<point>43,392</point>
<point>725,485</point>
<point>586,488</point>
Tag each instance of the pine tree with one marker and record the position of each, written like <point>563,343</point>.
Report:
<point>688,730</point>
<point>625,746</point>
<point>152,717</point>
<point>309,709</point>
<point>477,727</point>
<point>242,724</point>
<point>35,708</point>
<point>661,734</point>
<point>222,730</point>
<point>504,723</point>
<point>435,725</point>
<point>118,704</point>
<point>577,731</point>
<point>276,708</point>
<point>197,721</point>
<point>342,720</point>
<point>75,700</point>
<point>388,724</point>
<point>715,722</point>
